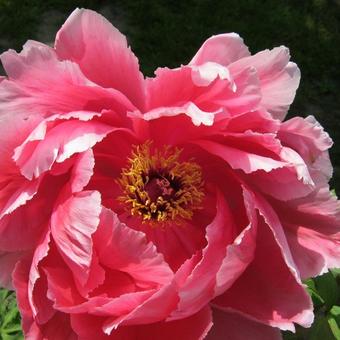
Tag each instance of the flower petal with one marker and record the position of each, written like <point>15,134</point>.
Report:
<point>233,326</point>
<point>8,260</point>
<point>42,148</point>
<point>312,230</point>
<point>39,84</point>
<point>101,51</point>
<point>279,78</point>
<point>72,224</point>
<point>199,287</point>
<point>127,250</point>
<point>282,298</point>
<point>222,49</point>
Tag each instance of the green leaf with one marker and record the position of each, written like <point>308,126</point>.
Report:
<point>318,301</point>
<point>10,316</point>
<point>336,272</point>
<point>335,313</point>
<point>327,288</point>
<point>13,329</point>
<point>334,327</point>
<point>320,330</point>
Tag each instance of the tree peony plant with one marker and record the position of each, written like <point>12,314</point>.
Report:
<point>174,207</point>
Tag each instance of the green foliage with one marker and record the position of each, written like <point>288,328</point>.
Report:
<point>10,328</point>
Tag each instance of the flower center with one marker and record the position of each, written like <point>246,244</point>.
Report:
<point>158,187</point>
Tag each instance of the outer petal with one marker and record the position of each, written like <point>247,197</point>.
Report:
<point>72,224</point>
<point>308,138</point>
<point>312,230</point>
<point>102,53</point>
<point>229,325</point>
<point>58,328</point>
<point>194,327</point>
<point>279,78</point>
<point>7,264</point>
<point>42,148</point>
<point>274,287</point>
<point>222,49</point>
<point>39,84</point>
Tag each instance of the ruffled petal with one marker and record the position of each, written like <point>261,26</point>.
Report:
<point>199,288</point>
<point>307,137</point>
<point>101,51</point>
<point>222,49</point>
<point>72,223</point>
<point>279,78</point>
<point>124,249</point>
<point>274,287</point>
<point>39,84</point>
<point>42,148</point>
<point>312,230</point>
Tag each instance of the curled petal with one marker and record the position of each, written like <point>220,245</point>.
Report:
<point>279,78</point>
<point>101,51</point>
<point>222,49</point>
<point>72,224</point>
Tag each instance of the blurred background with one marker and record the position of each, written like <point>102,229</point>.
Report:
<point>168,33</point>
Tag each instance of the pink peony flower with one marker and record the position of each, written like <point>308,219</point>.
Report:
<point>174,207</point>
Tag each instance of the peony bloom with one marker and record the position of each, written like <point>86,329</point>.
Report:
<point>174,207</point>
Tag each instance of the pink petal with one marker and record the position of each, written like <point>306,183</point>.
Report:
<point>21,230</point>
<point>240,253</point>
<point>247,95</point>
<point>20,283</point>
<point>308,138</point>
<point>199,287</point>
<point>42,148</point>
<point>82,171</point>
<point>312,230</point>
<point>283,183</point>
<point>197,116</point>
<point>274,287</point>
<point>40,84</point>
<point>279,78</point>
<point>194,327</point>
<point>205,74</point>
<point>102,53</point>
<point>8,260</point>
<point>176,244</point>
<point>248,161</point>
<point>233,326</point>
<point>17,193</point>
<point>15,189</point>
<point>58,328</point>
<point>39,254</point>
<point>72,224</point>
<point>222,49</point>
<point>257,121</point>
<point>191,328</point>
<point>127,250</point>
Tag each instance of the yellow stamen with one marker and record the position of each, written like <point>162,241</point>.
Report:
<point>158,187</point>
